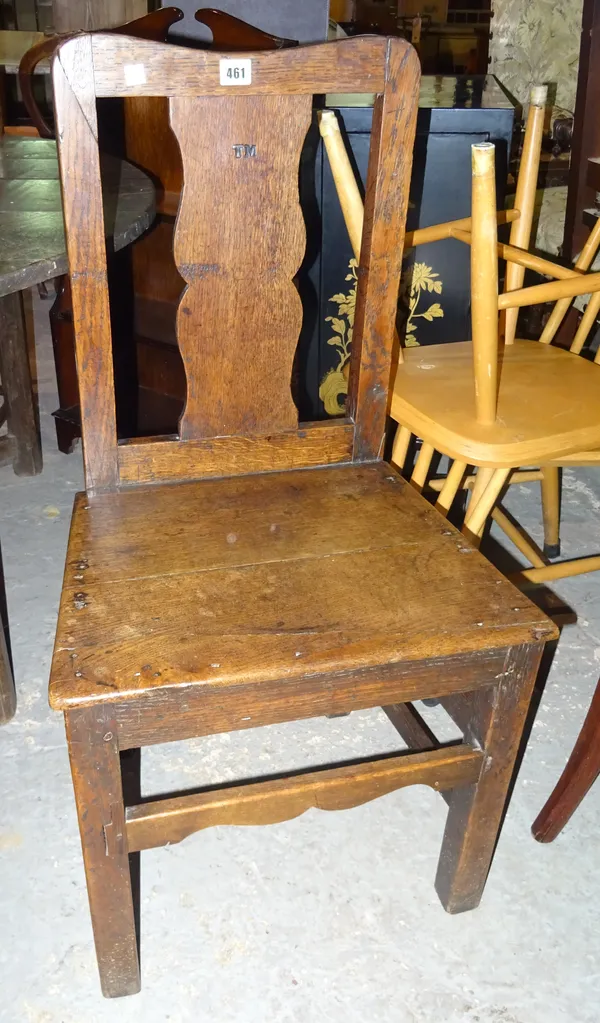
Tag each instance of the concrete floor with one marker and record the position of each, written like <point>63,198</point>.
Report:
<point>327,918</point>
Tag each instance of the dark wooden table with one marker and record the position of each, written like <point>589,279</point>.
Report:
<point>32,250</point>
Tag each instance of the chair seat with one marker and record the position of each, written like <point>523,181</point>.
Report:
<point>269,577</point>
<point>547,406</point>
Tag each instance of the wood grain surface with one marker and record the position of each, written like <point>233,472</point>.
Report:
<point>240,260</point>
<point>386,203</point>
<point>77,133</point>
<point>349,65</point>
<point>274,576</point>
<point>167,460</point>
<point>268,802</point>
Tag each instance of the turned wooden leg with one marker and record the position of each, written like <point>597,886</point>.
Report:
<point>493,718</point>
<point>551,510</point>
<point>480,506</point>
<point>400,447</point>
<point>96,770</point>
<point>482,478</point>
<point>422,464</point>
<point>451,485</point>
<point>15,373</point>
<point>583,767</point>
<point>8,696</point>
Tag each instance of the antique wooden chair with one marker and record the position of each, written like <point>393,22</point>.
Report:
<point>580,773</point>
<point>251,569</point>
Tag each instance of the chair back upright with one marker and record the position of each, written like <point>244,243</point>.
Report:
<point>240,122</point>
<point>484,281</point>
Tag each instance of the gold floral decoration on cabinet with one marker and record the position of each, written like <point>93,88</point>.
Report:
<point>417,281</point>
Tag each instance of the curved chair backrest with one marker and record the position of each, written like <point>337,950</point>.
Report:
<point>229,33</point>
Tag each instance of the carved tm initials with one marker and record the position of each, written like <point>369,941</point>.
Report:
<point>243,151</point>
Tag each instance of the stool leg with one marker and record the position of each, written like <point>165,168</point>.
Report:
<point>492,718</point>
<point>15,373</point>
<point>96,770</point>
<point>551,510</point>
<point>583,767</point>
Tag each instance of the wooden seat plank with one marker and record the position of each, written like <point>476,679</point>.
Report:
<point>233,582</point>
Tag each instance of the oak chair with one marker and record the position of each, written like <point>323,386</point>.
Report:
<point>253,569</point>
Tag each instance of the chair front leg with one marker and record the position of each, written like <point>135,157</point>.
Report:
<point>96,770</point>
<point>492,719</point>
